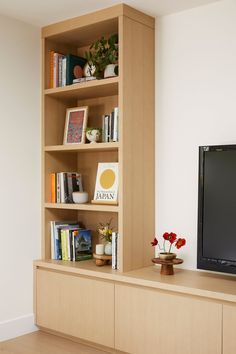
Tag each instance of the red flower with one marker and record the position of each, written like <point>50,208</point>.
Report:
<point>171,237</point>
<point>180,242</point>
<point>154,242</point>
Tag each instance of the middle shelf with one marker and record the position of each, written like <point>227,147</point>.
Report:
<point>112,146</point>
<point>86,207</point>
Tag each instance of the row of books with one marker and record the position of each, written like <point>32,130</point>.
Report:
<point>110,126</point>
<point>63,184</point>
<point>65,68</point>
<point>70,242</point>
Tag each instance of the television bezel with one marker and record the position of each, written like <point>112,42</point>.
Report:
<point>212,264</point>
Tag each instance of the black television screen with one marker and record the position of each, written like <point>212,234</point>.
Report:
<point>217,208</point>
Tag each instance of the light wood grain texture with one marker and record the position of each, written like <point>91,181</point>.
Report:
<point>84,147</point>
<point>99,22</point>
<point>151,322</point>
<point>87,206</point>
<point>44,343</point>
<point>201,284</point>
<point>136,103</point>
<point>83,90</point>
<point>229,325</point>
<point>76,306</point>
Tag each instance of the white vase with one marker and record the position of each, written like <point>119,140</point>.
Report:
<point>110,71</point>
<point>108,249</point>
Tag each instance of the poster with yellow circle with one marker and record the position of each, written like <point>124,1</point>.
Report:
<point>106,189</point>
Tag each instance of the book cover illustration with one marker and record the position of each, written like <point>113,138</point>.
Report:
<point>81,245</point>
<point>106,189</point>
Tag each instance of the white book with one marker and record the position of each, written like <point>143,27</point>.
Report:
<point>58,189</point>
<point>63,79</point>
<point>106,128</point>
<point>116,124</point>
<point>52,240</point>
<point>114,250</point>
<point>62,187</point>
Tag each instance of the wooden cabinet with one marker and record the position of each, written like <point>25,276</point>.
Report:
<point>154,322</point>
<point>229,321</point>
<point>76,306</point>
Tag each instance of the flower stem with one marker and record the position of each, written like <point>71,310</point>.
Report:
<point>170,247</point>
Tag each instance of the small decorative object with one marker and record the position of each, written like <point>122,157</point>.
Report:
<point>101,260</point>
<point>102,53</point>
<point>89,70</point>
<point>75,125</point>
<point>100,249</point>
<point>110,70</point>
<point>80,197</point>
<point>93,135</point>
<point>106,189</point>
<point>167,258</point>
<point>105,232</point>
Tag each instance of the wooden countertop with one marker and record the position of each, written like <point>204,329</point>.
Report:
<point>197,283</point>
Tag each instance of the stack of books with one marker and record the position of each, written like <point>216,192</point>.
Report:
<point>70,242</point>
<point>110,126</point>
<point>65,68</point>
<point>63,184</point>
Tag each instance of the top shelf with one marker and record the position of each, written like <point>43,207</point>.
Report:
<point>90,89</point>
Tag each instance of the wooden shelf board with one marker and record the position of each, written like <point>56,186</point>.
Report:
<point>90,89</point>
<point>83,147</point>
<point>196,283</point>
<point>86,207</point>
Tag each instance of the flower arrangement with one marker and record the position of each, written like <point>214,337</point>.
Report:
<point>105,231</point>
<point>172,240</point>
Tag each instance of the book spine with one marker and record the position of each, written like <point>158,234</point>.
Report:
<point>63,83</point>
<point>114,249</point>
<point>52,240</point>
<point>116,125</point>
<point>51,68</point>
<point>60,70</point>
<point>57,241</point>
<point>79,182</point>
<point>70,187</point>
<point>103,128</point>
<point>106,130</point>
<point>62,187</point>
<point>111,126</point>
<point>55,70</point>
<point>63,244</point>
<point>53,188</point>
<point>58,188</point>
<point>68,251</point>
<point>66,188</point>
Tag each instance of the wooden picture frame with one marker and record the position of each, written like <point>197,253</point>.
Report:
<point>75,125</point>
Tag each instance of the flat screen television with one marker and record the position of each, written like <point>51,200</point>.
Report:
<point>217,208</point>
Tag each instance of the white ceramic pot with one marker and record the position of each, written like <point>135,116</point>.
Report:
<point>108,248</point>
<point>110,71</point>
<point>93,135</point>
<point>80,197</point>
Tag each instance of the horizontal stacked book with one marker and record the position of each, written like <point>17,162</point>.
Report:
<point>65,68</point>
<point>70,242</point>
<point>110,126</point>
<point>63,184</point>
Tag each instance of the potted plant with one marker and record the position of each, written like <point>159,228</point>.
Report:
<point>103,55</point>
<point>171,240</point>
<point>105,232</point>
<point>93,135</point>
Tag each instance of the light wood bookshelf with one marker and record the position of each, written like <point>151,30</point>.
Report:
<point>133,92</point>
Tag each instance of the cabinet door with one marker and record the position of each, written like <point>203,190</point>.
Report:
<point>77,306</point>
<point>229,325</point>
<point>148,321</point>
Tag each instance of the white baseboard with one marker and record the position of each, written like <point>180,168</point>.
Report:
<point>17,327</point>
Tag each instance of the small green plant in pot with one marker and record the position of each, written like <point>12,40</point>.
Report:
<point>103,54</point>
<point>93,134</point>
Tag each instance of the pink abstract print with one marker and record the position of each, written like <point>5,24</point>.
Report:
<point>75,127</point>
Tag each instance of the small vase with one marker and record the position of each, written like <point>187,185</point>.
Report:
<point>110,71</point>
<point>108,249</point>
<point>167,256</point>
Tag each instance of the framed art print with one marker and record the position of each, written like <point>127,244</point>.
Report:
<point>75,126</point>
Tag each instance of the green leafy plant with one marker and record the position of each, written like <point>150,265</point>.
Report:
<point>102,53</point>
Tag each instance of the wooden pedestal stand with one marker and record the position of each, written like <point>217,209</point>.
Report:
<point>101,260</point>
<point>167,265</point>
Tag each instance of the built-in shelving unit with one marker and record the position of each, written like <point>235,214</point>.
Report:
<point>133,92</point>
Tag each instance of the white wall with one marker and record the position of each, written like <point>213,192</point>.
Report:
<point>195,105</point>
<point>20,176</point>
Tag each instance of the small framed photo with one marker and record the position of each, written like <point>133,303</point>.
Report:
<point>75,126</point>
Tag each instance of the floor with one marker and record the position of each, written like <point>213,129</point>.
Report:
<point>43,343</point>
